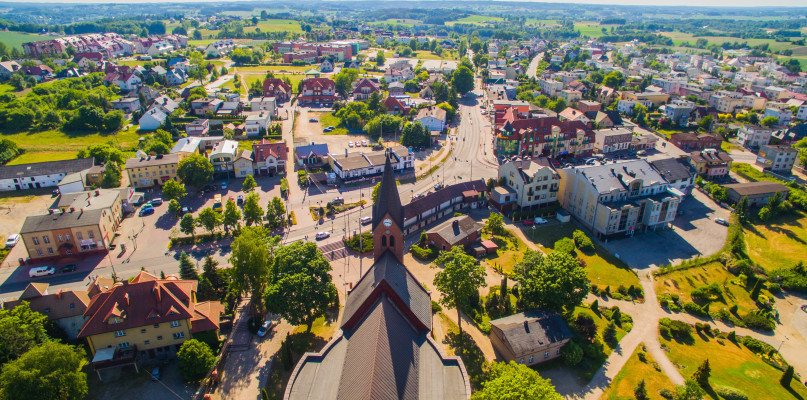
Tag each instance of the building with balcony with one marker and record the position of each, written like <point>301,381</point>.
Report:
<point>534,181</point>
<point>711,163</point>
<point>777,158</point>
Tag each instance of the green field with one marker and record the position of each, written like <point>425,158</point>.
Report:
<point>592,29</point>
<point>328,119</point>
<point>733,365</point>
<point>56,145</point>
<point>276,25</point>
<point>635,370</point>
<point>779,243</point>
<point>428,55</point>
<point>534,22</point>
<point>681,37</point>
<point>475,20</point>
<point>397,22</point>
<point>682,282</point>
<point>16,39</point>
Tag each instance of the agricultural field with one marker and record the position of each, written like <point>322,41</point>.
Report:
<point>276,25</point>
<point>640,366</point>
<point>778,243</point>
<point>397,22</point>
<point>683,282</point>
<point>592,29</point>
<point>545,23</point>
<point>475,20</point>
<point>733,365</point>
<point>16,39</point>
<point>681,37</point>
<point>428,55</point>
<point>56,145</point>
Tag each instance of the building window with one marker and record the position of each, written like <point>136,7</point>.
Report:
<point>66,238</point>
<point>179,335</point>
<point>156,325</point>
<point>521,361</point>
<point>50,250</point>
<point>79,236</point>
<point>159,337</point>
<point>546,354</point>
<point>61,238</point>
<point>72,305</point>
<point>35,240</point>
<point>46,239</point>
<point>124,345</point>
<point>530,359</point>
<point>174,324</point>
<point>120,333</point>
<point>147,342</point>
<point>143,330</point>
<point>39,252</point>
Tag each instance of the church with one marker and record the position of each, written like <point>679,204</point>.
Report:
<point>384,349</point>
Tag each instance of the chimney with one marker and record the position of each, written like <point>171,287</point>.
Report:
<point>527,326</point>
<point>72,209</point>
<point>97,192</point>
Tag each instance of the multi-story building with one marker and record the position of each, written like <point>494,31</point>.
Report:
<point>40,175</point>
<point>613,139</point>
<point>64,308</point>
<point>223,156</point>
<point>754,137</point>
<point>198,127</point>
<point>677,172</point>
<point>84,224</point>
<point>690,142</point>
<point>678,111</point>
<point>544,136</point>
<point>317,91</point>
<point>270,157</point>
<point>274,87</point>
<point>618,198</point>
<point>147,171</point>
<point>711,163</point>
<point>801,114</point>
<point>366,165</point>
<point>534,181</point>
<point>147,315</point>
<point>257,123</point>
<point>777,158</point>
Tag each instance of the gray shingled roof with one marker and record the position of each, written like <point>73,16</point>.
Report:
<point>755,188</point>
<point>45,168</point>
<point>672,169</point>
<point>610,176</point>
<point>455,234</point>
<point>39,223</point>
<point>526,332</point>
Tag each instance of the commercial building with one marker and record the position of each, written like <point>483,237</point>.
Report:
<point>367,165</point>
<point>777,158</point>
<point>618,198</point>
<point>613,139</point>
<point>147,171</point>
<point>534,181</point>
<point>677,172</point>
<point>711,163</point>
<point>543,136</point>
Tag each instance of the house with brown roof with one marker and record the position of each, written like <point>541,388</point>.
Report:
<point>757,193</point>
<point>65,308</point>
<point>529,338</point>
<point>396,106</point>
<point>364,88</point>
<point>711,163</point>
<point>269,157</point>
<point>456,231</point>
<point>148,315</point>
<point>274,87</point>
<point>317,91</point>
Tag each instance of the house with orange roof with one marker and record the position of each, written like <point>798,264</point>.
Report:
<point>65,308</point>
<point>147,316</point>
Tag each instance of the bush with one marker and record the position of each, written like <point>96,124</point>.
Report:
<point>572,353</point>
<point>195,360</point>
<point>794,278</point>
<point>758,320</point>
<point>564,245</point>
<point>730,393</point>
<point>675,329</point>
<point>436,308</point>
<point>707,293</point>
<point>422,253</point>
<point>582,241</point>
<point>756,346</point>
<point>360,243</point>
<point>694,309</point>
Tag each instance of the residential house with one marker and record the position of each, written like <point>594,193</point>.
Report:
<point>147,171</point>
<point>754,137</point>
<point>364,88</point>
<point>243,164</point>
<point>571,114</point>
<point>534,181</point>
<point>370,165</point>
<point>65,308</point>
<point>268,104</point>
<point>570,96</point>
<point>607,119</point>
<point>198,127</point>
<point>8,68</point>
<point>85,227</point>
<point>39,72</point>
<point>613,139</point>
<point>176,76</point>
<point>223,155</point>
<point>587,106</point>
<point>422,212</point>
<point>326,66</point>
<point>542,136</point>
<point>677,172</point>
<point>529,338</point>
<point>274,87</point>
<point>152,119</point>
<point>618,199</point>
<point>396,106</point>
<point>127,104</point>
<point>433,118</point>
<point>257,123</point>
<point>690,142</point>
<point>201,107</point>
<point>457,231</point>
<point>147,315</point>
<point>643,141</point>
<point>756,193</point>
<point>780,111</point>
<point>270,157</point>
<point>40,175</point>
<point>219,48</point>
<point>711,163</point>
<point>312,155</point>
<point>317,91</point>
<point>777,158</point>
<point>678,111</point>
<point>127,82</point>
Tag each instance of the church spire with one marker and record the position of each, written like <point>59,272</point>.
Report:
<point>388,200</point>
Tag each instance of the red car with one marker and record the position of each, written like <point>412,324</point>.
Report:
<point>528,222</point>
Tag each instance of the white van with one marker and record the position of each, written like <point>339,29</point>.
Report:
<point>41,271</point>
<point>366,220</point>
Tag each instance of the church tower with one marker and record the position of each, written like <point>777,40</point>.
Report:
<point>388,216</point>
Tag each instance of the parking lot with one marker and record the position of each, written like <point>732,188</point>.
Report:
<point>694,233</point>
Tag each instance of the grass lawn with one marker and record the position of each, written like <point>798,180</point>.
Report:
<point>591,363</point>
<point>428,55</point>
<point>475,20</point>
<point>507,257</point>
<point>635,370</point>
<point>56,145</point>
<point>682,282</point>
<point>200,42</point>
<point>728,146</point>
<point>6,88</point>
<point>328,119</point>
<point>275,68</point>
<point>592,29</point>
<point>681,37</point>
<point>276,25</point>
<point>781,242</point>
<point>16,39</point>
<point>732,365</point>
<point>603,269</point>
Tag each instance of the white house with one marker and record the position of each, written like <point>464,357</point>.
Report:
<point>264,104</point>
<point>219,48</point>
<point>40,175</point>
<point>257,123</point>
<point>159,48</point>
<point>152,119</point>
<point>433,118</point>
<point>754,136</point>
<point>224,155</point>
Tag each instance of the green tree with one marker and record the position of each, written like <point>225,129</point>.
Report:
<point>514,381</point>
<point>572,353</point>
<point>20,330</point>
<point>689,391</point>
<point>249,183</point>
<point>253,213</point>
<point>414,134</point>
<point>174,207</point>
<point>112,175</point>
<point>459,280</point>
<point>344,81</point>
<point>379,58</point>
<point>216,281</point>
<point>195,170</point>
<point>462,80</point>
<point>787,376</point>
<point>769,121</point>
<point>187,268</point>
<point>232,215</point>
<point>565,245</point>
<point>495,224</point>
<point>613,79</point>
<point>187,225</point>
<point>554,282</point>
<point>703,373</point>
<point>195,360</point>
<point>48,371</point>
<point>640,391</point>
<point>275,213</point>
<point>209,219</point>
<point>302,288</point>
<point>251,258</point>
<point>174,190</point>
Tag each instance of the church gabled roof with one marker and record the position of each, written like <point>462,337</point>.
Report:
<point>389,201</point>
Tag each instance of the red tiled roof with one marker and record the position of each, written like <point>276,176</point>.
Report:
<point>364,82</point>
<point>311,83</point>
<point>265,148</point>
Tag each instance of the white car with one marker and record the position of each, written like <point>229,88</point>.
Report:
<point>349,144</point>
<point>364,143</point>
<point>12,240</point>
<point>41,271</point>
<point>540,221</point>
<point>322,235</point>
<point>366,220</point>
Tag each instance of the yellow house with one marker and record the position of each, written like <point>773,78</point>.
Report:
<point>148,171</point>
<point>148,316</point>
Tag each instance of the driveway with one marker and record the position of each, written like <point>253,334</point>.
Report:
<point>693,233</point>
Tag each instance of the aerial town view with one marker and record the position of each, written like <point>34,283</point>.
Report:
<point>380,200</point>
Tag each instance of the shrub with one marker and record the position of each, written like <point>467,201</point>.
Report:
<point>794,278</point>
<point>707,293</point>
<point>730,393</point>
<point>758,320</point>
<point>195,360</point>
<point>436,308</point>
<point>582,241</point>
<point>572,353</point>
<point>675,329</point>
<point>360,243</point>
<point>422,253</point>
<point>756,346</point>
<point>584,325</point>
<point>697,310</point>
<point>564,245</point>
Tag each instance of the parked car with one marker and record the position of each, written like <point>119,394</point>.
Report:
<point>313,120</point>
<point>13,239</point>
<point>364,143</point>
<point>156,201</point>
<point>224,186</point>
<point>185,210</point>
<point>349,144</point>
<point>155,373</point>
<point>328,129</point>
<point>322,235</point>
<point>41,271</point>
<point>540,221</point>
<point>146,211</point>
<point>265,328</point>
<point>528,222</point>
<point>722,221</point>
<point>337,201</point>
<point>366,220</point>
<point>239,200</point>
<point>438,186</point>
<point>68,268</point>
<point>641,153</point>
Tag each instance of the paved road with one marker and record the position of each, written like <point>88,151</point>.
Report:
<point>533,67</point>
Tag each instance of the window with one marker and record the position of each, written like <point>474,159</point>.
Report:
<point>39,252</point>
<point>79,236</point>
<point>147,342</point>
<point>61,238</point>
<point>156,325</point>
<point>35,240</point>
<point>123,345</point>
<point>174,324</point>
<point>50,250</point>
<point>531,359</point>
<point>120,333</point>
<point>179,335</point>
<point>72,305</point>
<point>546,354</point>
<point>159,338</point>
<point>521,361</point>
<point>67,238</point>
<point>143,330</point>
<point>46,239</point>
